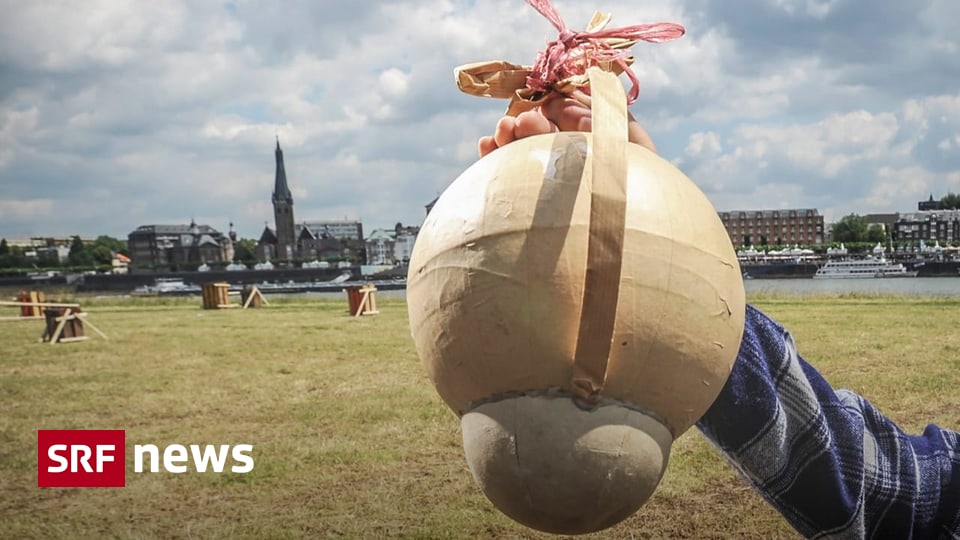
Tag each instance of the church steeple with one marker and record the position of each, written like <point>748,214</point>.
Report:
<point>281,193</point>
<point>283,210</point>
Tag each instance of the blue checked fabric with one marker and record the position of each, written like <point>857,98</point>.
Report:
<point>828,461</point>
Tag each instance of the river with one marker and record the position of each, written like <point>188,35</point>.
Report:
<point>917,286</point>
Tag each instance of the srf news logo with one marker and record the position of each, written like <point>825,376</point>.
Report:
<point>97,458</point>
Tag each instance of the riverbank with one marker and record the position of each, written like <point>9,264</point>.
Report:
<point>283,279</point>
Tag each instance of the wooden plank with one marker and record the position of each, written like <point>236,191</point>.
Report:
<point>38,304</point>
<point>83,316</point>
<point>254,291</point>
<point>361,304</point>
<point>72,339</point>
<point>367,304</point>
<point>58,331</point>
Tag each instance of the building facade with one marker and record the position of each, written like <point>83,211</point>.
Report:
<point>403,245</point>
<point>393,247</point>
<point>929,226</point>
<point>379,246</point>
<point>178,245</point>
<point>802,226</point>
<point>331,239</point>
<point>351,231</point>
<point>319,245</point>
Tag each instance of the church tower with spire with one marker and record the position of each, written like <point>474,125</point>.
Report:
<point>283,210</point>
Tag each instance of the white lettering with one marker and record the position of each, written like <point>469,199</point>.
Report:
<point>101,456</point>
<point>80,453</point>
<point>176,457</point>
<point>152,451</point>
<point>175,453</point>
<point>52,454</point>
<point>210,455</point>
<point>238,455</point>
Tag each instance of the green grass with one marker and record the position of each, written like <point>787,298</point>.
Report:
<point>350,438</point>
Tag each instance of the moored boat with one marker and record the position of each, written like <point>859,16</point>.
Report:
<point>863,268</point>
<point>166,286</point>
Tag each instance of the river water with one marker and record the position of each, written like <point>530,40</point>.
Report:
<point>916,286</point>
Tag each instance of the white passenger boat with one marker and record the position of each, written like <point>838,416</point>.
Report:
<point>864,268</point>
<point>166,287</point>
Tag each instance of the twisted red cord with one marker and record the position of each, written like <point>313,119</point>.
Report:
<point>574,51</point>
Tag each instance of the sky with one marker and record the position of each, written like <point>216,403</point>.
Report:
<point>116,114</point>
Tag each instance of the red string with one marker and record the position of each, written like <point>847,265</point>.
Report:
<point>574,51</point>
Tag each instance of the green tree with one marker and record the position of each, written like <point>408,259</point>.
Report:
<point>113,244</point>
<point>950,201</point>
<point>79,255</point>
<point>875,233</point>
<point>4,248</point>
<point>14,258</point>
<point>101,254</point>
<point>48,259</point>
<point>850,228</point>
<point>104,247</point>
<point>245,251</point>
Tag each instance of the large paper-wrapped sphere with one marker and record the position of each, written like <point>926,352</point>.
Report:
<point>495,293</point>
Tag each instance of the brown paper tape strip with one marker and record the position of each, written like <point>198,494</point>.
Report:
<point>608,207</point>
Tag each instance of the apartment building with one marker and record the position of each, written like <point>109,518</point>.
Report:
<point>803,226</point>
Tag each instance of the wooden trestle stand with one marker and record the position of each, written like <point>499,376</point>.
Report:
<point>64,322</point>
<point>217,296</point>
<point>362,300</point>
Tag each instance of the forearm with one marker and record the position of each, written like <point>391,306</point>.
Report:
<point>826,460</point>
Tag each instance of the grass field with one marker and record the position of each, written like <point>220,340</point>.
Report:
<point>350,439</point>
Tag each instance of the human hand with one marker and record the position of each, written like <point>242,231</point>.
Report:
<point>557,113</point>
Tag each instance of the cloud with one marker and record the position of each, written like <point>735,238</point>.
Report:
<point>127,113</point>
<point>860,161</point>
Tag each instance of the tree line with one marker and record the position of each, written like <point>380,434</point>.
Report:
<point>96,255</point>
<point>854,228</point>
<point>87,256</point>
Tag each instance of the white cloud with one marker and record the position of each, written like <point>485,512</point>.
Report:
<point>703,145</point>
<point>33,209</point>
<point>893,184</point>
<point>157,112</point>
<point>394,83</point>
<point>814,8</point>
<point>856,161</point>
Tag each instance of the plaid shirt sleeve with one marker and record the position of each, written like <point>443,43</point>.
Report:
<point>827,460</point>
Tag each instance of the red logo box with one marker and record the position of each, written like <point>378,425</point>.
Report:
<point>81,458</point>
